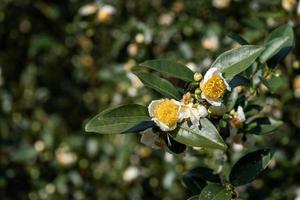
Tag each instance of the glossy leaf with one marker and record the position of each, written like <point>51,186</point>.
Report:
<point>263,125</point>
<point>170,68</point>
<point>250,166</point>
<point>118,120</point>
<point>273,47</point>
<point>215,192</point>
<point>235,61</point>
<point>207,136</point>
<point>160,85</point>
<point>282,31</point>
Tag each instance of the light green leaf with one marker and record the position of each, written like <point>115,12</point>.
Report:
<point>170,68</point>
<point>118,120</point>
<point>207,136</point>
<point>160,85</point>
<point>250,166</point>
<point>282,31</point>
<point>235,61</point>
<point>273,47</point>
<point>215,192</point>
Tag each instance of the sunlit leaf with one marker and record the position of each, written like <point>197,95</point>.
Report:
<point>235,61</point>
<point>207,136</point>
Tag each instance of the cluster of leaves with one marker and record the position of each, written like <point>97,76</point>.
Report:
<point>239,66</point>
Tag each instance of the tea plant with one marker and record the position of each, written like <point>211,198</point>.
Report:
<point>208,111</point>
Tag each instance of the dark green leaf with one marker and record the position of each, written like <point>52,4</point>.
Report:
<point>262,125</point>
<point>250,166</point>
<point>207,136</point>
<point>235,61</point>
<point>160,85</point>
<point>118,120</point>
<point>174,146</point>
<point>238,81</point>
<point>215,192</point>
<point>170,68</point>
<point>237,38</point>
<point>140,127</point>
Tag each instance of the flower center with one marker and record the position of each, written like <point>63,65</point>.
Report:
<point>167,112</point>
<point>214,88</point>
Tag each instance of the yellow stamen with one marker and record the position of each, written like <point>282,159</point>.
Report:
<point>214,88</point>
<point>167,112</point>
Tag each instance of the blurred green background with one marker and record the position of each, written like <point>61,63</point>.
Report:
<point>61,62</point>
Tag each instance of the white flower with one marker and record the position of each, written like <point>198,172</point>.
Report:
<point>241,114</point>
<point>213,86</point>
<point>165,113</point>
<point>238,118</point>
<point>152,139</point>
<point>192,111</point>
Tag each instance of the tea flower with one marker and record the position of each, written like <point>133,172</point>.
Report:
<point>152,139</point>
<point>238,118</point>
<point>193,112</point>
<point>165,113</point>
<point>214,86</point>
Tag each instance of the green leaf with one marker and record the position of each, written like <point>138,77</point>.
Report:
<point>263,125</point>
<point>207,136</point>
<point>158,84</point>
<point>170,68</point>
<point>118,120</point>
<point>237,38</point>
<point>280,32</point>
<point>235,61</point>
<point>250,166</point>
<point>215,192</point>
<point>273,47</point>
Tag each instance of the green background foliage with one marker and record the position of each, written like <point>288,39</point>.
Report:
<point>59,68</point>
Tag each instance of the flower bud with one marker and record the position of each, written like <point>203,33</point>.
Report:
<point>198,91</point>
<point>217,110</point>
<point>198,76</point>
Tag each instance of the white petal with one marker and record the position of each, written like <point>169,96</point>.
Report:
<point>163,126</point>
<point>241,114</point>
<point>209,74</point>
<point>226,84</point>
<point>212,102</point>
<point>202,111</point>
